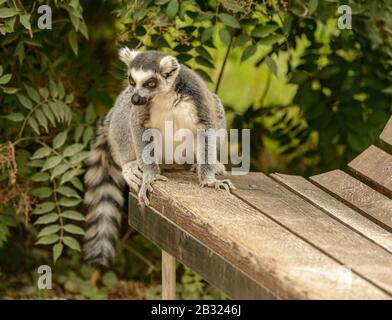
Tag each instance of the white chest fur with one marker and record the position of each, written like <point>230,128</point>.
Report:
<point>167,112</point>
<point>166,108</point>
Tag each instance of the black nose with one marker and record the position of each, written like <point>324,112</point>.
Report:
<point>138,100</point>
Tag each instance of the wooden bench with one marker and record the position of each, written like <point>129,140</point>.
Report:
<point>280,236</point>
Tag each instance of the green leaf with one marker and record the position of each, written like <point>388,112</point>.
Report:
<point>73,215</point>
<point>204,62</point>
<point>10,90</point>
<point>69,175</point>
<point>172,9</point>
<point>54,92</point>
<point>79,157</point>
<point>90,114</point>
<point>40,177</point>
<point>25,21</point>
<point>70,98</point>
<point>229,20</point>
<point>49,114</point>
<point>53,228</point>
<point>57,250</point>
<point>87,135</point>
<point>77,184</point>
<point>7,12</point>
<point>43,192</point>
<point>60,139</point>
<point>225,36</point>
<point>73,41</point>
<point>44,208</point>
<point>207,34</point>
<point>72,149</point>
<point>5,78</point>
<point>32,93</point>
<point>271,65</point>
<point>248,52</point>
<point>71,228</point>
<point>44,92</point>
<point>68,192</point>
<point>24,101</point>
<point>39,115</point>
<point>60,169</point>
<point>33,125</point>
<point>41,153</point>
<point>69,202</point>
<point>51,162</point>
<point>15,117</point>
<point>52,238</point>
<point>241,40</point>
<point>72,243</point>
<point>262,31</point>
<point>312,6</point>
<point>269,40</point>
<point>47,218</point>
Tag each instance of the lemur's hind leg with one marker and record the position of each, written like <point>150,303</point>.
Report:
<point>220,169</point>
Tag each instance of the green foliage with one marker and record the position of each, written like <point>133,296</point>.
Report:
<point>54,85</point>
<point>42,121</point>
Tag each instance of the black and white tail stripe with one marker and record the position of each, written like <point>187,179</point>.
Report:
<point>104,200</point>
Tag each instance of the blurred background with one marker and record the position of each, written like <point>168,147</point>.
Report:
<point>314,96</point>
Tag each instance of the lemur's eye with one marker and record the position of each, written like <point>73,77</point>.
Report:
<point>152,83</point>
<point>132,82</point>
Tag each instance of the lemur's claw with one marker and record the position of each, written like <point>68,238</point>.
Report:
<point>146,188</point>
<point>132,175</point>
<point>218,184</point>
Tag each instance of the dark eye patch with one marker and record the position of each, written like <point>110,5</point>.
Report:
<point>151,83</point>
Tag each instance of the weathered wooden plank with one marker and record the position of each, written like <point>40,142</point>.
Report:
<point>168,276</point>
<point>386,134</point>
<point>315,226</point>
<point>223,238</point>
<point>188,250</point>
<point>371,203</point>
<point>336,208</point>
<point>374,166</point>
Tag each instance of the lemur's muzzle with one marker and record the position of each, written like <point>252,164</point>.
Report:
<point>138,100</point>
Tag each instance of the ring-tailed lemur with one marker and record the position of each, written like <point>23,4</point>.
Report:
<point>159,89</point>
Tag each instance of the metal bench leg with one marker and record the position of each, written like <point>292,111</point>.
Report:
<point>168,276</point>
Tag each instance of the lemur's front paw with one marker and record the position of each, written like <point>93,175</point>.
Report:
<point>146,188</point>
<point>218,184</point>
<point>132,175</point>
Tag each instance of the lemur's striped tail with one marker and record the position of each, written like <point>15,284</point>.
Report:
<point>104,200</point>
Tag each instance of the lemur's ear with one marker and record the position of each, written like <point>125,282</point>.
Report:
<point>126,55</point>
<point>168,65</point>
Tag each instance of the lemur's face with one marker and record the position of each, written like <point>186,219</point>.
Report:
<point>149,73</point>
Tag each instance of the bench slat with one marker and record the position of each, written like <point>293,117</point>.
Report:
<point>188,250</point>
<point>374,166</point>
<point>386,134</point>
<point>358,195</point>
<point>254,244</point>
<point>319,229</point>
<point>336,208</point>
